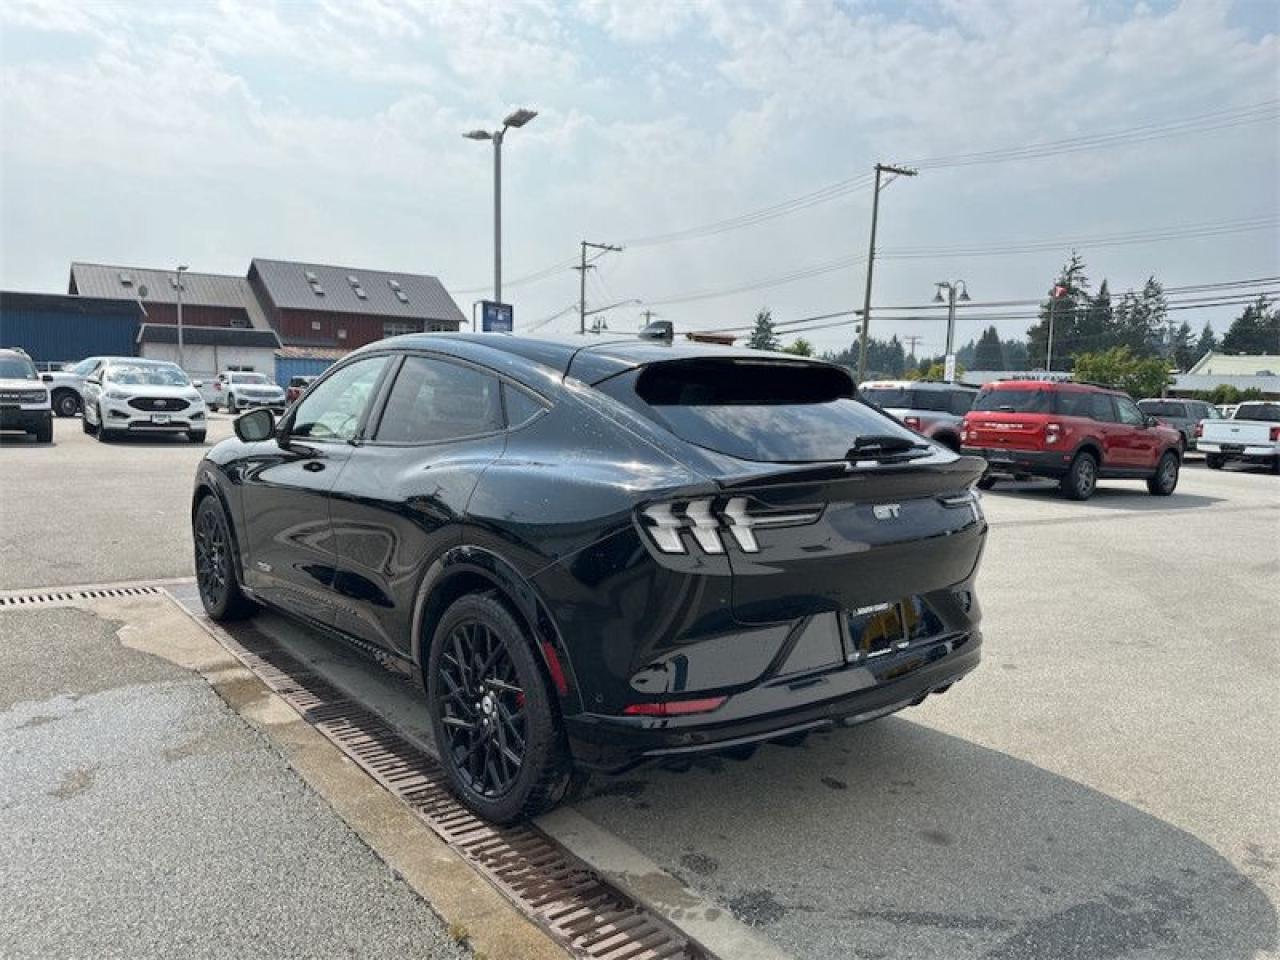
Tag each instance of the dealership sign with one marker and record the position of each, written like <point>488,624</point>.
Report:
<point>495,317</point>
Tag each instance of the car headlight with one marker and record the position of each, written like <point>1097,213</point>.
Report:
<point>116,395</point>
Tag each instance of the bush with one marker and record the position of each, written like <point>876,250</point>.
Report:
<point>1119,368</point>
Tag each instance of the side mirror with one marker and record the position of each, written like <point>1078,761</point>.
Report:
<point>47,377</point>
<point>1150,421</point>
<point>256,425</point>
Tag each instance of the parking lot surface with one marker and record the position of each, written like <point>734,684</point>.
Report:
<point>1102,787</point>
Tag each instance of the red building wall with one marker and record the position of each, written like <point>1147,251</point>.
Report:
<point>196,316</point>
<point>325,328</point>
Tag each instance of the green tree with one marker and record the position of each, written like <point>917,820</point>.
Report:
<point>1207,343</point>
<point>989,353</point>
<point>1184,347</point>
<point>763,336</point>
<point>1120,368</point>
<point>1095,325</point>
<point>1072,284</point>
<point>1256,330</point>
<point>800,347</point>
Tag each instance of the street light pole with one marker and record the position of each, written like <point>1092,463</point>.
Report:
<point>182,267</point>
<point>871,262</point>
<point>952,287</point>
<point>515,119</point>
<point>1055,295</point>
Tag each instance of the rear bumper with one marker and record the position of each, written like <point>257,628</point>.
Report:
<point>1036,463</point>
<point>1241,451</point>
<point>849,695</point>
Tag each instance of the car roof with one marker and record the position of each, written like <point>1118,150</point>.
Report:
<point>1074,386</point>
<point>590,361</point>
<point>914,385</point>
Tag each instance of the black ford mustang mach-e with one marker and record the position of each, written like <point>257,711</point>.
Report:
<point>592,555</point>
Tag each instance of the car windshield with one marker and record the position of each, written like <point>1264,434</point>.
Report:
<point>1266,412</point>
<point>17,368</point>
<point>1016,400</point>
<point>906,398</point>
<point>248,378</point>
<point>83,368</point>
<point>147,375</point>
<point>774,411</point>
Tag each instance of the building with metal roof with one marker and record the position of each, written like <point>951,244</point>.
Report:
<point>321,305</point>
<point>1237,365</point>
<point>208,299</point>
<point>206,351</point>
<point>54,328</point>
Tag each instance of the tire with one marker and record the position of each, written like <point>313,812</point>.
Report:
<point>987,481</point>
<point>196,436</point>
<point>101,429</point>
<point>1275,465</point>
<point>1081,478</point>
<point>44,433</point>
<point>231,405</point>
<point>1165,479</point>
<point>1213,461</point>
<point>498,735</point>
<point>216,574</point>
<point>66,403</point>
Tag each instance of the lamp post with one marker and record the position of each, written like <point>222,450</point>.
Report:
<point>182,268</point>
<point>953,288</point>
<point>515,119</point>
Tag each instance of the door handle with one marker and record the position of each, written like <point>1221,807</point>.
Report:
<point>314,466</point>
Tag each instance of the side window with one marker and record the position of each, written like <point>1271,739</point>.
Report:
<point>1129,412</point>
<point>1175,410</point>
<point>960,402</point>
<point>433,400</point>
<point>332,411</point>
<point>521,408</point>
<point>1100,408</point>
<point>1072,403</point>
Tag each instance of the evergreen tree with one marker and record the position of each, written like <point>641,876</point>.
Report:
<point>1184,347</point>
<point>800,347</point>
<point>762,336</point>
<point>989,354</point>
<point>1207,343</point>
<point>1072,285</point>
<point>1256,330</point>
<point>1095,327</point>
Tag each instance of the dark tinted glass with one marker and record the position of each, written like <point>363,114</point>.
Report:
<point>960,401</point>
<point>521,408</point>
<point>1268,412</point>
<point>1128,411</point>
<point>1073,403</point>
<point>1100,408</point>
<point>433,401</point>
<point>778,412</point>
<point>1015,400</point>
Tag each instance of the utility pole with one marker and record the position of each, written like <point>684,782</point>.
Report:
<point>177,283</point>
<point>1056,294</point>
<point>912,341</point>
<point>582,269</point>
<point>871,261</point>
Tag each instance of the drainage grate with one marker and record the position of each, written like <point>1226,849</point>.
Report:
<point>72,596</point>
<point>580,909</point>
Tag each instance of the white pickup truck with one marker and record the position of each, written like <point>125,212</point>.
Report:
<point>1252,434</point>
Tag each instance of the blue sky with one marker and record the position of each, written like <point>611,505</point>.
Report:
<point>208,133</point>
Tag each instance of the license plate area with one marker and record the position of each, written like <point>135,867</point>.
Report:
<point>1232,447</point>
<point>160,419</point>
<point>884,628</point>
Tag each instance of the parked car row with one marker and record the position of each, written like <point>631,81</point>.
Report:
<point>24,396</point>
<point>1252,435</point>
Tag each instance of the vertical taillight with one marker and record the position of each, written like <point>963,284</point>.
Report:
<point>1052,432</point>
<point>1200,429</point>
<point>912,422</point>
<point>1275,434</point>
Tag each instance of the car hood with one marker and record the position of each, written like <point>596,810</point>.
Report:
<point>151,390</point>
<point>22,384</point>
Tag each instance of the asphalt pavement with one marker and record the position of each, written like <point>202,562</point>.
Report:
<point>140,817</point>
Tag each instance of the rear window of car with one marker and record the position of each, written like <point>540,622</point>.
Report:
<point>764,410</point>
<point>1016,400</point>
<point>906,398</point>
<point>1268,412</point>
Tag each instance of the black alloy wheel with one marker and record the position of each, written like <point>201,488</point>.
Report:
<point>216,574</point>
<point>1165,479</point>
<point>1082,477</point>
<point>66,403</point>
<point>495,727</point>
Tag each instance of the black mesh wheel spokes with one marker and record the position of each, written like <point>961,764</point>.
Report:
<point>481,709</point>
<point>213,562</point>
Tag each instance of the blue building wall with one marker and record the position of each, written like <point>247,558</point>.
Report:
<point>57,328</point>
<point>288,367</point>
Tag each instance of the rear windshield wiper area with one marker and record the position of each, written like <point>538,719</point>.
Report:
<point>884,447</point>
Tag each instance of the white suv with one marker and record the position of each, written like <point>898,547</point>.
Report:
<point>134,396</point>
<point>238,390</point>
<point>24,399</point>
